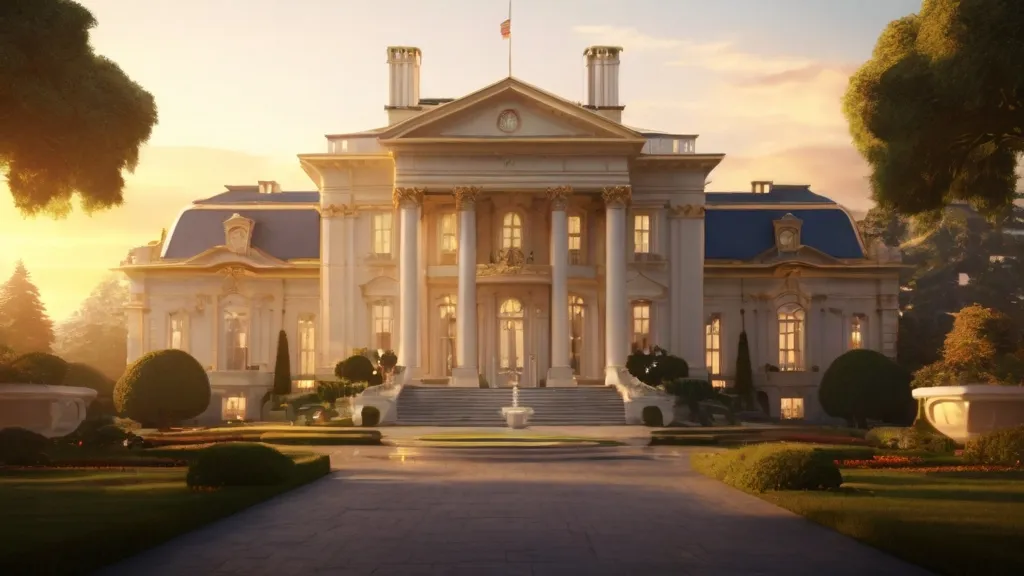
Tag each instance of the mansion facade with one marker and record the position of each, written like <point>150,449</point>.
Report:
<point>512,235</point>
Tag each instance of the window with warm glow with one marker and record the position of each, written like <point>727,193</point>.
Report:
<point>307,345</point>
<point>575,239</point>
<point>856,333</point>
<point>641,325</point>
<point>449,240</point>
<point>382,226</point>
<point>233,408</point>
<point>792,408</point>
<point>448,332</point>
<point>511,231</point>
<point>576,309</point>
<point>791,332</point>
<point>641,233</point>
<point>236,339</point>
<point>179,331</point>
<point>713,346</point>
<point>511,347</point>
<point>383,325</point>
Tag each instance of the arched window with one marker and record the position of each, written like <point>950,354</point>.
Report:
<point>448,332</point>
<point>576,309</point>
<point>236,338</point>
<point>641,325</point>
<point>511,231</point>
<point>510,324</point>
<point>791,337</point>
<point>383,324</point>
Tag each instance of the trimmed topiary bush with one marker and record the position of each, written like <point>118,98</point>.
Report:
<point>283,367</point>
<point>1000,448</point>
<point>21,447</point>
<point>651,416</point>
<point>163,388</point>
<point>238,464</point>
<point>85,376</point>
<point>371,416</point>
<point>744,374</point>
<point>358,368</point>
<point>862,384</point>
<point>765,467</point>
<point>41,368</point>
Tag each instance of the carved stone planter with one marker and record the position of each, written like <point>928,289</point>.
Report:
<point>964,412</point>
<point>52,411</point>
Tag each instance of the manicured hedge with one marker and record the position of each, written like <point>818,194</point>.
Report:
<point>239,464</point>
<point>369,437</point>
<point>1001,448</point>
<point>765,467</point>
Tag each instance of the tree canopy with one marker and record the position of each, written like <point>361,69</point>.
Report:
<point>938,110</point>
<point>97,334</point>
<point>23,319</point>
<point>73,121</point>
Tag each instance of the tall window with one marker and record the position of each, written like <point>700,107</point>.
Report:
<point>575,333</point>
<point>792,408</point>
<point>233,408</point>
<point>641,325</point>
<point>856,332</point>
<point>511,231</point>
<point>448,332</point>
<point>382,226</point>
<point>575,239</point>
<point>713,350</point>
<point>641,233</point>
<point>383,325</point>
<point>236,339</point>
<point>449,239</point>
<point>791,336</point>
<point>510,324</point>
<point>307,349</point>
<point>179,331</point>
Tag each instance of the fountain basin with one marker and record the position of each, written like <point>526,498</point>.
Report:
<point>517,417</point>
<point>965,412</point>
<point>51,411</point>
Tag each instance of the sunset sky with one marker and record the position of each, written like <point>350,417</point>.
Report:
<point>242,87</point>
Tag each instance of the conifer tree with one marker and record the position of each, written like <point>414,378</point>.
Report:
<point>744,373</point>
<point>23,318</point>
<point>282,367</point>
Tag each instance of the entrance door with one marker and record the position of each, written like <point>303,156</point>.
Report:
<point>511,343</point>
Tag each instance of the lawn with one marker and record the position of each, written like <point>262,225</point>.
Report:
<point>72,521</point>
<point>269,434</point>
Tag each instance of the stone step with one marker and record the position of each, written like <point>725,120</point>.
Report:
<point>445,406</point>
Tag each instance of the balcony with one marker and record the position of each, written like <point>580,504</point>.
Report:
<point>669,145</point>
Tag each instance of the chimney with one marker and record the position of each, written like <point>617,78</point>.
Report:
<point>603,81</point>
<point>268,187</point>
<point>761,186</point>
<point>404,79</point>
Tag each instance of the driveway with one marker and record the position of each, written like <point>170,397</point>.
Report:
<point>398,511</point>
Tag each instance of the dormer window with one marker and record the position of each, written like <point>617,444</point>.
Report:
<point>787,233</point>
<point>238,233</point>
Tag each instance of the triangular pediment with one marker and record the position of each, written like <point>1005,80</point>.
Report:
<point>254,257</point>
<point>509,109</point>
<point>640,286</point>
<point>802,255</point>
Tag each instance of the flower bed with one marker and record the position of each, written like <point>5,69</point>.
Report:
<point>823,439</point>
<point>883,461</point>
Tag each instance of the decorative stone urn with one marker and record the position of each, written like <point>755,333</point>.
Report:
<point>51,411</point>
<point>516,416</point>
<point>964,412</point>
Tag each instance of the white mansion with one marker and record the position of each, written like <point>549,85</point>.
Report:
<point>512,233</point>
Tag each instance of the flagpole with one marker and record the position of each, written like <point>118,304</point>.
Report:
<point>509,38</point>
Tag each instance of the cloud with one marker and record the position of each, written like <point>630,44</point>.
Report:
<point>68,257</point>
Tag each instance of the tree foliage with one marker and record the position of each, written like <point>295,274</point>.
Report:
<point>72,120</point>
<point>23,319</point>
<point>656,367</point>
<point>283,367</point>
<point>862,384</point>
<point>984,347</point>
<point>358,368</point>
<point>41,368</point>
<point>938,110</point>
<point>97,333</point>
<point>162,388</point>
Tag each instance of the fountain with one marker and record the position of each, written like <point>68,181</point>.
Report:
<point>516,416</point>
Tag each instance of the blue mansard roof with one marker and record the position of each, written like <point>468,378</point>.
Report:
<point>738,225</point>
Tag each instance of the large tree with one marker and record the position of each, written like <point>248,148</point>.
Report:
<point>938,110</point>
<point>72,120</point>
<point>97,334</point>
<point>23,317</point>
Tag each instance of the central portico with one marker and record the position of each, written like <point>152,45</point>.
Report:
<point>510,210</point>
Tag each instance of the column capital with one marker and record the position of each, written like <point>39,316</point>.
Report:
<point>617,196</point>
<point>559,196</point>
<point>407,196</point>
<point>334,210</point>
<point>465,197</point>
<point>686,211</point>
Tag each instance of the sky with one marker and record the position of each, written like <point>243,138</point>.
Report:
<point>242,87</point>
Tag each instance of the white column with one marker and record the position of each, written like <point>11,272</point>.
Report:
<point>466,373</point>
<point>408,201</point>
<point>616,337</point>
<point>688,286</point>
<point>560,373</point>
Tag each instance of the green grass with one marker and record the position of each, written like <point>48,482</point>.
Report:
<point>739,435</point>
<point>60,521</point>
<point>956,523</point>
<point>271,434</point>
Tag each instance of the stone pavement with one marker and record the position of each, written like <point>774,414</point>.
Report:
<point>398,511</point>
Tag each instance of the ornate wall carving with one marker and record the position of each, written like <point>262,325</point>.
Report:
<point>407,196</point>
<point>334,210</point>
<point>686,211</point>
<point>465,197</point>
<point>617,196</point>
<point>559,196</point>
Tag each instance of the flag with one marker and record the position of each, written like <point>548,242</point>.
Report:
<point>506,28</point>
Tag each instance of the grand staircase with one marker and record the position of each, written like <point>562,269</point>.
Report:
<point>444,406</point>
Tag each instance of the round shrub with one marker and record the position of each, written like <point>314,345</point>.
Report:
<point>1000,448</point>
<point>21,447</point>
<point>371,416</point>
<point>358,368</point>
<point>85,376</point>
<point>42,368</point>
<point>651,416</point>
<point>238,464</point>
<point>791,469</point>
<point>862,384</point>
<point>163,388</point>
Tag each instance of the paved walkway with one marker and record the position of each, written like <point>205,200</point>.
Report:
<point>398,511</point>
